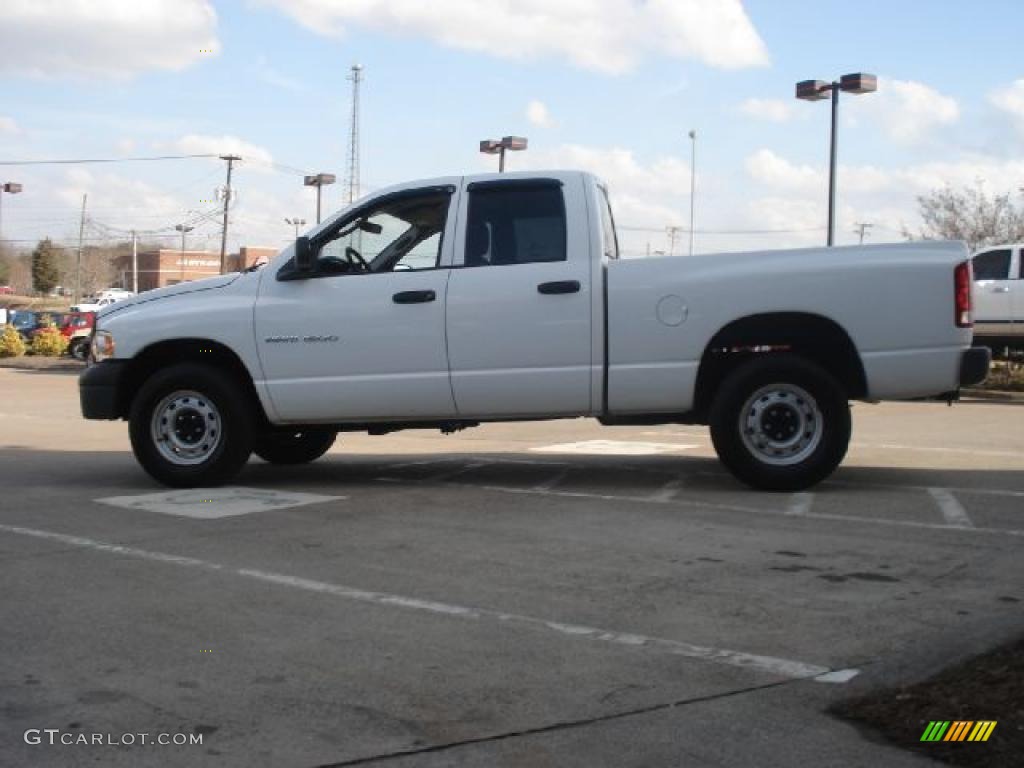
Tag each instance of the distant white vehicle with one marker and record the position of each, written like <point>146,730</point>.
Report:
<point>999,296</point>
<point>98,301</point>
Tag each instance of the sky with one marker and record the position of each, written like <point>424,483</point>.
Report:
<point>609,86</point>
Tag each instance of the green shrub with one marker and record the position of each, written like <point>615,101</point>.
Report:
<point>11,343</point>
<point>48,342</point>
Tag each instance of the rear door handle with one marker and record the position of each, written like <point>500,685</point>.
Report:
<point>1000,289</point>
<point>413,297</point>
<point>560,286</point>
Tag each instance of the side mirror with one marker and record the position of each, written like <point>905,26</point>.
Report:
<point>304,262</point>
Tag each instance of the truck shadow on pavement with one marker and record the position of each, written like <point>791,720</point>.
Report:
<point>986,500</point>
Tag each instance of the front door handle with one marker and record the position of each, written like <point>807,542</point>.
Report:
<point>560,286</point>
<point>999,289</point>
<point>413,297</point>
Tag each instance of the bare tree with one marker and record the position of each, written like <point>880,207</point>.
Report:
<point>971,215</point>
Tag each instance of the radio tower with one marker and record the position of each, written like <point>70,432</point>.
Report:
<point>352,167</point>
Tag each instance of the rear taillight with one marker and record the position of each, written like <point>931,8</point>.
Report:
<point>962,290</point>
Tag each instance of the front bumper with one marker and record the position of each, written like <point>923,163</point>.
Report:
<point>974,365</point>
<point>99,389</point>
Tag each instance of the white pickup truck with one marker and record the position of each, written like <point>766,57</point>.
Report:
<point>999,294</point>
<point>445,303</point>
<point>102,299</point>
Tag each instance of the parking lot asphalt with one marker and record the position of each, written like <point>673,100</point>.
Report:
<point>542,594</point>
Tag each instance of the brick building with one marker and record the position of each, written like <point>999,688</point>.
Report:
<point>168,266</point>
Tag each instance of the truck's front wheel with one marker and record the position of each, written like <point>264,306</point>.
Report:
<point>780,423</point>
<point>189,428</point>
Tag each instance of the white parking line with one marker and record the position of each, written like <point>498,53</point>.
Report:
<point>952,510</point>
<point>614,448</point>
<point>936,449</point>
<point>668,491</point>
<point>800,504</point>
<point>771,665</point>
<point>656,499</point>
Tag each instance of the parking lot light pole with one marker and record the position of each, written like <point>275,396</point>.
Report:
<point>319,181</point>
<point>184,229</point>
<point>11,188</point>
<point>816,90</point>
<point>500,146</point>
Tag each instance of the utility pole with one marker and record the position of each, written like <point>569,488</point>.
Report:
<point>135,262</point>
<point>673,232</point>
<point>227,200</point>
<point>81,243</point>
<point>861,227</point>
<point>352,167</point>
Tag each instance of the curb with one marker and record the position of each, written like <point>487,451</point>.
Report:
<point>994,394</point>
<point>44,365</point>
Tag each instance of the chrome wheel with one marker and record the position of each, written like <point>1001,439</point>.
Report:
<point>186,428</point>
<point>781,424</point>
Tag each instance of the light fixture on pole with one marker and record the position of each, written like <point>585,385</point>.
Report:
<point>693,181</point>
<point>816,90</point>
<point>500,146</point>
<point>296,222</point>
<point>11,188</point>
<point>319,181</point>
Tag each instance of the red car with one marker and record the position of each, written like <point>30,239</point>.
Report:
<point>6,290</point>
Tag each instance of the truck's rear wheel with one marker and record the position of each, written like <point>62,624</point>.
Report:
<point>189,427</point>
<point>79,348</point>
<point>299,446</point>
<point>780,423</point>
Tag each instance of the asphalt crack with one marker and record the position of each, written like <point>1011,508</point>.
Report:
<point>561,725</point>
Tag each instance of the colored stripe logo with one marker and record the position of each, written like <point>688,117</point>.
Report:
<point>958,730</point>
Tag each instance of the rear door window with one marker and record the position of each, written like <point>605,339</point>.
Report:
<point>992,265</point>
<point>515,224</point>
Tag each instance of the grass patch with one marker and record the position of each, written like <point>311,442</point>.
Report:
<point>987,687</point>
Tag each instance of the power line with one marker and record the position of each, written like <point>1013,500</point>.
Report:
<point>101,160</point>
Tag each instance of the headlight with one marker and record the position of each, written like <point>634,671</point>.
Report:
<point>102,346</point>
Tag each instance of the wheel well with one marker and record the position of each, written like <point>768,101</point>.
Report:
<point>164,353</point>
<point>813,337</point>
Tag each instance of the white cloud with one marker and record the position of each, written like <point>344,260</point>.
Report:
<point>774,110</point>
<point>8,125</point>
<point>107,38</point>
<point>775,171</point>
<point>1010,99</point>
<point>195,144</point>
<point>603,35</point>
<point>907,111</point>
<point>537,113</point>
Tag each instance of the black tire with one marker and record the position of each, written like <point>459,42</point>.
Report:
<point>216,400</point>
<point>299,446</point>
<point>800,400</point>
<point>79,348</point>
